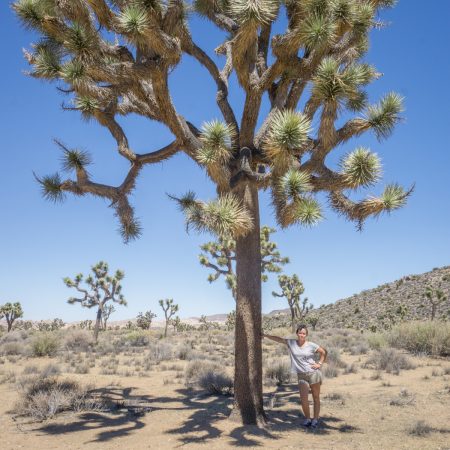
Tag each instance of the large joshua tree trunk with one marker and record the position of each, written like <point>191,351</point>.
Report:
<point>248,400</point>
<point>98,322</point>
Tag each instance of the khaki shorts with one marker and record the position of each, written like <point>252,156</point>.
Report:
<point>310,377</point>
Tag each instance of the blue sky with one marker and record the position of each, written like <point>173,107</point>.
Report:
<point>40,243</point>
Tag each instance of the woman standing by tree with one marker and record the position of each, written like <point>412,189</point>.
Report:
<point>307,369</point>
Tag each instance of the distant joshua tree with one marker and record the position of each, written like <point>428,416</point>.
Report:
<point>292,288</point>
<point>231,320</point>
<point>220,256</point>
<point>100,289</point>
<point>435,298</point>
<point>107,311</point>
<point>144,320</point>
<point>169,308</point>
<point>115,58</point>
<point>11,312</point>
<point>176,323</point>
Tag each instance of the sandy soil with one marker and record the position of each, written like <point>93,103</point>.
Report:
<point>158,412</point>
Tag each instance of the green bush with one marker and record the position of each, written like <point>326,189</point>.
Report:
<point>45,344</point>
<point>278,370</point>
<point>377,341</point>
<point>431,337</point>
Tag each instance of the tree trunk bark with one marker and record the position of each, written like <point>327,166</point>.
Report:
<point>248,398</point>
<point>97,324</point>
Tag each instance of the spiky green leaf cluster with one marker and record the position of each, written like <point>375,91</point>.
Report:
<point>75,159</point>
<point>385,115</point>
<point>224,217</point>
<point>344,11</point>
<point>256,11</point>
<point>31,12</point>
<point>307,212</point>
<point>51,187</point>
<point>133,20</point>
<point>294,183</point>
<point>87,106</point>
<point>361,167</point>
<point>73,71</point>
<point>393,197</point>
<point>316,32</point>
<point>332,83</point>
<point>130,230</point>
<point>288,131</point>
<point>79,40</point>
<point>47,62</point>
<point>216,138</point>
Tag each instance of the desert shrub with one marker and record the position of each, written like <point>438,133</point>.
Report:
<point>431,338</point>
<point>7,377</point>
<point>420,429</point>
<point>50,370</point>
<point>216,382</point>
<point>45,344</point>
<point>351,368</point>
<point>30,369</point>
<point>334,358</point>
<point>209,376</point>
<point>389,360</point>
<point>404,398</point>
<point>43,398</point>
<point>359,349</point>
<point>279,371</point>
<point>14,336</point>
<point>377,341</point>
<point>12,348</point>
<point>109,366</point>
<point>183,352</point>
<point>78,340</point>
<point>330,370</point>
<point>135,338</point>
<point>159,351</point>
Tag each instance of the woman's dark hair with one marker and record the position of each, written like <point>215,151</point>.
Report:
<point>300,327</point>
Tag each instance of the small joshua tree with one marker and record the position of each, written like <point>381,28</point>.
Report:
<point>169,308</point>
<point>144,320</point>
<point>435,298</point>
<point>107,311</point>
<point>292,288</point>
<point>100,288</point>
<point>220,256</point>
<point>176,323</point>
<point>11,312</point>
<point>313,321</point>
<point>231,320</point>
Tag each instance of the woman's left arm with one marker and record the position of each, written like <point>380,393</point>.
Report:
<point>323,356</point>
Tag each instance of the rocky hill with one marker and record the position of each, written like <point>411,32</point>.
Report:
<point>403,299</point>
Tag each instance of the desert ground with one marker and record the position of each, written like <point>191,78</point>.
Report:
<point>135,390</point>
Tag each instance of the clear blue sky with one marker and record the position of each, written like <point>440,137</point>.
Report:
<point>40,242</point>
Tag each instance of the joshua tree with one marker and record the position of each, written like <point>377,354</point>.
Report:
<point>176,322</point>
<point>313,321</point>
<point>144,320</point>
<point>231,320</point>
<point>107,311</point>
<point>292,288</point>
<point>100,289</point>
<point>169,308</point>
<point>223,253</point>
<point>313,65</point>
<point>11,312</point>
<point>435,298</point>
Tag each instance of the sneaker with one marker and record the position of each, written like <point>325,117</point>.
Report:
<point>314,423</point>
<point>307,423</point>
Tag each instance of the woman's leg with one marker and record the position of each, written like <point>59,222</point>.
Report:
<point>304,391</point>
<point>315,390</point>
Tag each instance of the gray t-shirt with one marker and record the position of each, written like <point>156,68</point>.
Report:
<point>301,357</point>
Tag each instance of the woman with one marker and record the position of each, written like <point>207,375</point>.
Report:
<point>307,369</point>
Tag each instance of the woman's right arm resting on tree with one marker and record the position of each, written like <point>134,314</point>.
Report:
<point>274,338</point>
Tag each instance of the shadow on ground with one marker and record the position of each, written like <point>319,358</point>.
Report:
<point>124,411</point>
